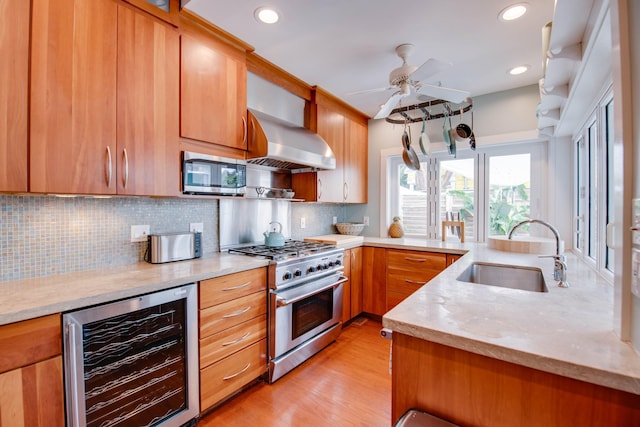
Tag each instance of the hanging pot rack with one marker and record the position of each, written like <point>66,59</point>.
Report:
<point>430,110</point>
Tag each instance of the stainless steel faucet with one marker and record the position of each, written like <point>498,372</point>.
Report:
<point>560,263</point>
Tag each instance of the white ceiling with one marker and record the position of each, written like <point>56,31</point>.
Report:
<point>347,46</point>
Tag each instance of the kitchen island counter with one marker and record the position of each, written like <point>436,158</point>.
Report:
<point>566,331</point>
<point>30,298</point>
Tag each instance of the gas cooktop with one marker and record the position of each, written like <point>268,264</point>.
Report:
<point>291,249</point>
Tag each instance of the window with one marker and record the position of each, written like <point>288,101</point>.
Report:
<point>489,189</point>
<point>593,187</point>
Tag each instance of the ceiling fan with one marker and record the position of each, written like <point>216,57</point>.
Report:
<point>407,77</point>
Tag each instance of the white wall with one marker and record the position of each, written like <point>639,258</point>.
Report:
<point>501,117</point>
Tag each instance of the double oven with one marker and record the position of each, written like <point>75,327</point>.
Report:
<point>305,300</point>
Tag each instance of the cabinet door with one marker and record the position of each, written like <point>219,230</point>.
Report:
<point>355,162</point>
<point>14,94</point>
<point>213,93</point>
<point>33,395</point>
<point>374,293</point>
<point>73,97</point>
<point>346,287</point>
<point>331,129</point>
<point>148,160</point>
<point>356,281</point>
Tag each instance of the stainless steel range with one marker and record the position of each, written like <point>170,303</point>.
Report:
<point>305,301</point>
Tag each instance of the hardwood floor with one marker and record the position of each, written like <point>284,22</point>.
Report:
<point>347,384</point>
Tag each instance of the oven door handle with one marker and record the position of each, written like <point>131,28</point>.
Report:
<point>283,302</point>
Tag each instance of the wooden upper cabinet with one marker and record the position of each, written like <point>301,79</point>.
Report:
<point>167,10</point>
<point>331,129</point>
<point>347,135</point>
<point>73,96</point>
<point>356,153</point>
<point>213,92</point>
<point>148,106</point>
<point>14,95</point>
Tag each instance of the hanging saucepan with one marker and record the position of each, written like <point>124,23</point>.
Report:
<point>409,156</point>
<point>452,139</point>
<point>446,135</point>
<point>425,143</point>
<point>462,131</point>
<point>472,137</point>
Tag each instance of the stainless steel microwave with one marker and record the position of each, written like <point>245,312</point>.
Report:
<point>213,175</point>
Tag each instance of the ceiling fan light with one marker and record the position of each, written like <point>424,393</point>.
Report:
<point>520,69</point>
<point>267,15</point>
<point>512,12</point>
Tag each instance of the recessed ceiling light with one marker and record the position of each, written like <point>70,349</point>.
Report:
<point>266,14</point>
<point>512,12</point>
<point>519,70</point>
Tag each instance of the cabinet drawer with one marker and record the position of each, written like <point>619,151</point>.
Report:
<point>417,266</point>
<point>227,342</point>
<point>404,284</point>
<point>232,286</point>
<point>222,316</point>
<point>232,373</point>
<point>30,341</point>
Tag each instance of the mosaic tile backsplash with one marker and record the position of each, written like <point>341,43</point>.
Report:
<point>45,235</point>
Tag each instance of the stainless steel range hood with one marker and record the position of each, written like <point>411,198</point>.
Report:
<point>276,135</point>
<point>277,143</point>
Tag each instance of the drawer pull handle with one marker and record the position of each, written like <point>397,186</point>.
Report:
<point>413,282</point>
<point>233,288</point>
<point>237,313</point>
<point>242,338</point>
<point>415,259</point>
<point>237,373</point>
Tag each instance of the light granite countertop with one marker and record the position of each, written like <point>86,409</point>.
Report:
<point>566,331</point>
<point>27,299</point>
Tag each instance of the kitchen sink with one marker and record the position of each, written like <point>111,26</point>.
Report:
<point>505,276</point>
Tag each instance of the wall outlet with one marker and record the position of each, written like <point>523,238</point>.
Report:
<point>366,221</point>
<point>303,222</point>
<point>335,220</point>
<point>196,227</point>
<point>139,233</point>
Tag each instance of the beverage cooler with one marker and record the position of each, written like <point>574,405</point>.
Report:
<point>133,362</point>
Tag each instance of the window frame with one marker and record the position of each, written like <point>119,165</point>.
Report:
<point>600,213</point>
<point>389,201</point>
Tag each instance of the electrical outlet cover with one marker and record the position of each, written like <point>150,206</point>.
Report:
<point>196,227</point>
<point>139,233</point>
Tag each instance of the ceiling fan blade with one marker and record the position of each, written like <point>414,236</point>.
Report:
<point>430,68</point>
<point>389,105</point>
<point>448,94</point>
<point>366,91</point>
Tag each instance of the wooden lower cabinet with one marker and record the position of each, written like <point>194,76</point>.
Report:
<point>31,384</point>
<point>451,258</point>
<point>230,374</point>
<point>374,287</point>
<point>474,390</point>
<point>233,332</point>
<point>408,271</point>
<point>352,289</point>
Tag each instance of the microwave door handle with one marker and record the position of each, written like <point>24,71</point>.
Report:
<point>283,302</point>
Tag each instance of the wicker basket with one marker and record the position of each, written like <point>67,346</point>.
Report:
<point>352,228</point>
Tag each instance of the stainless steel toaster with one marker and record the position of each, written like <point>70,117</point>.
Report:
<point>168,247</point>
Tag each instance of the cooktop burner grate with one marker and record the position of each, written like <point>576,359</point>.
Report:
<point>291,249</point>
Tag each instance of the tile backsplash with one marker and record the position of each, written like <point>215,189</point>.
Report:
<point>46,235</point>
